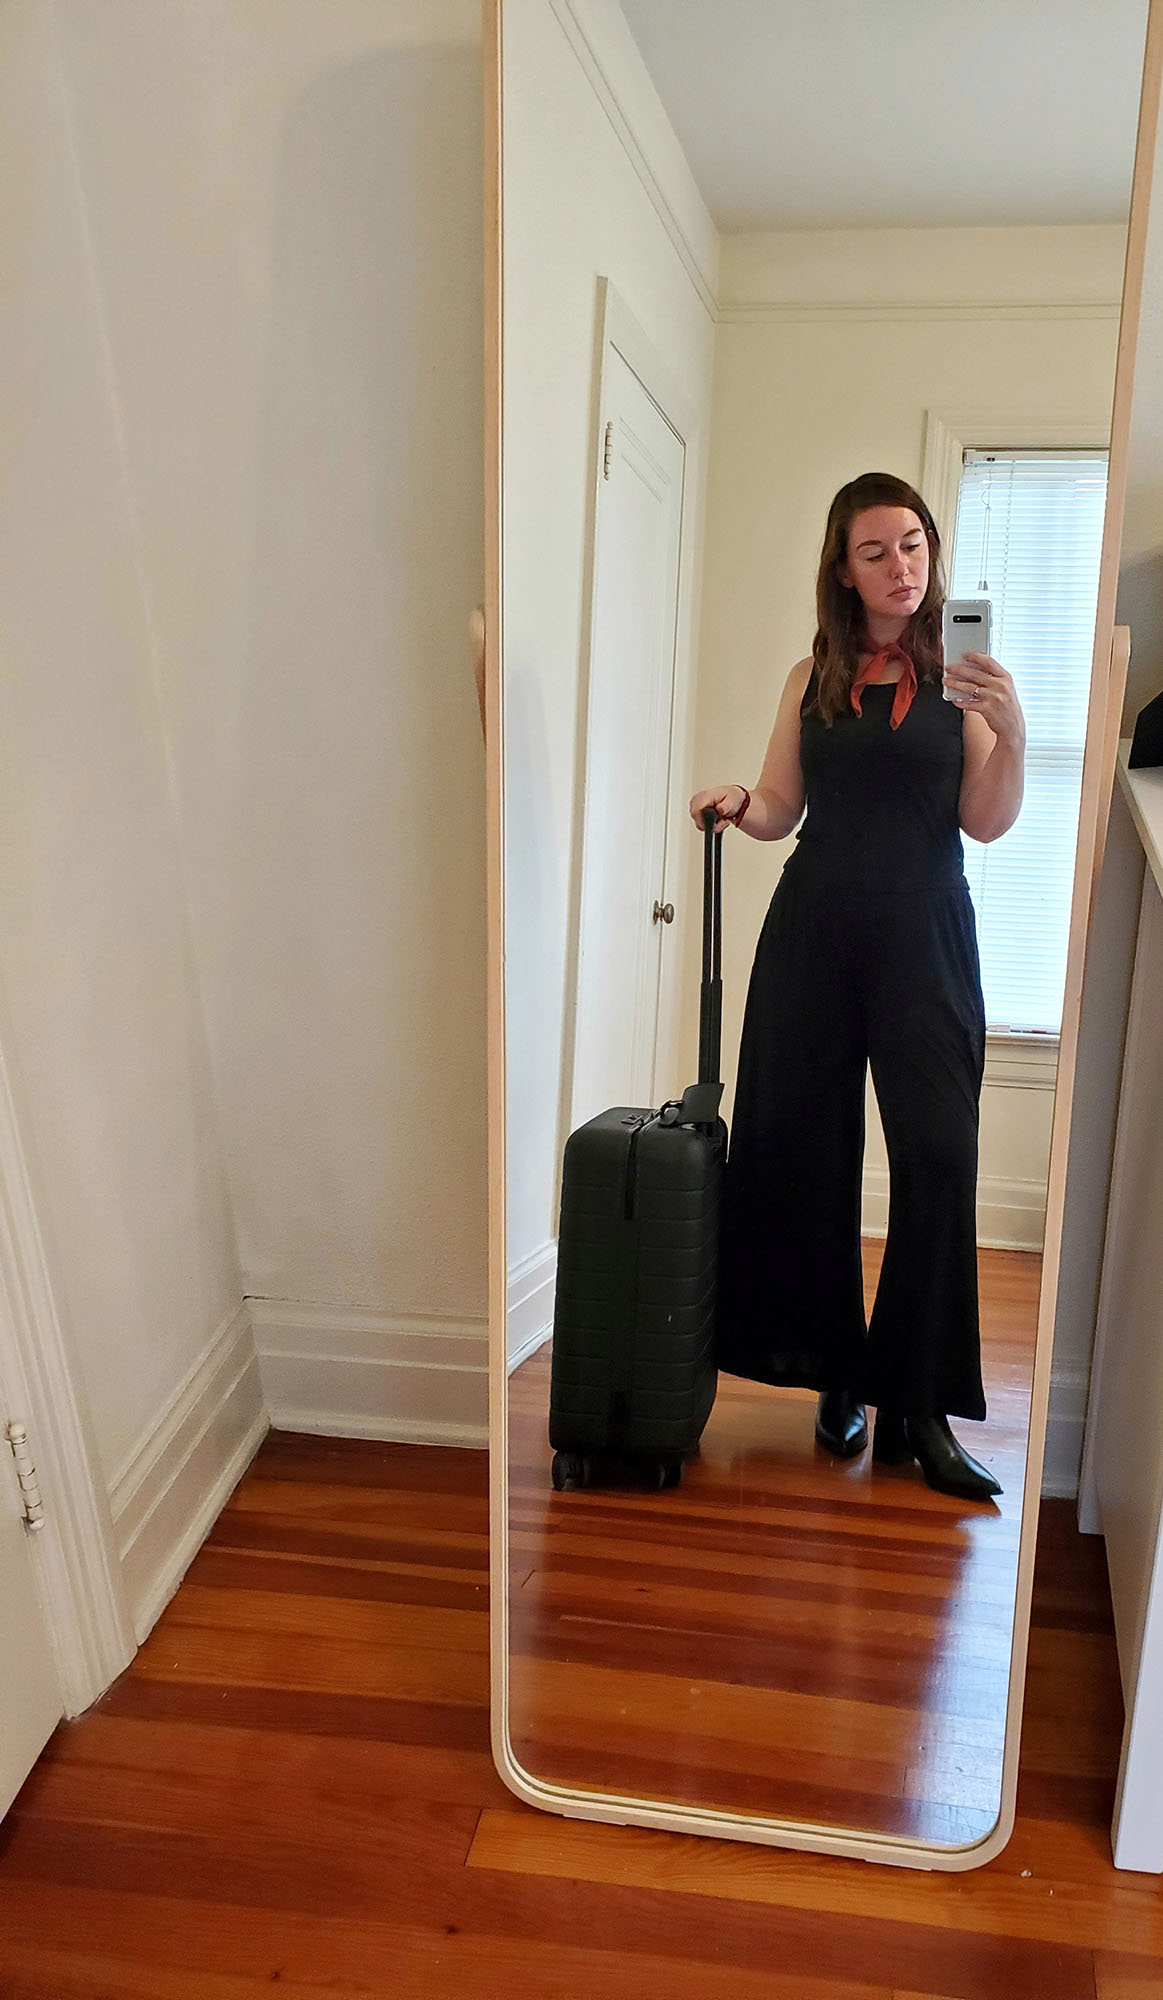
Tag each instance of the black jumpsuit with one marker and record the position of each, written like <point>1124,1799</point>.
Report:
<point>868,956</point>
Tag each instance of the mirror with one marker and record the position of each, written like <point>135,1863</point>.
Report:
<point>745,255</point>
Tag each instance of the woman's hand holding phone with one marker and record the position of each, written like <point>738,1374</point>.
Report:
<point>981,684</point>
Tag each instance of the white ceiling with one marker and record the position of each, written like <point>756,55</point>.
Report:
<point>831,114</point>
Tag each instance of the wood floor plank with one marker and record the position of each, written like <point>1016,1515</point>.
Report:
<point>298,1795</point>
<point>283,1533</point>
<point>408,1965</point>
<point>635,1926</point>
<point>839,1792</point>
<point>1060,1912</point>
<point>349,1620</point>
<point>802,1598</point>
<point>1118,1976</point>
<point>369,1463</point>
<point>900,1994</point>
<point>316,1664</point>
<point>367,1718</point>
<point>237,1570</point>
<point>222,1963</point>
<point>130,1773</point>
<point>607,1696</point>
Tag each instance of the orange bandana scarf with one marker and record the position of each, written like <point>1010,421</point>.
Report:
<point>906,687</point>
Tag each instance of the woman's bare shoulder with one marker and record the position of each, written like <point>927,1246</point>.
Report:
<point>787,719</point>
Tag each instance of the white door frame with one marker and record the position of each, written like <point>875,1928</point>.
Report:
<point>74,1554</point>
<point>617,328</point>
<point>950,433</point>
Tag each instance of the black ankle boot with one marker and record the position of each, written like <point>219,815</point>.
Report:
<point>946,1465</point>
<point>841,1423</point>
<point>890,1446</point>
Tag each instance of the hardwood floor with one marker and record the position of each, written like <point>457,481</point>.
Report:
<point>785,1633</point>
<point>291,1790</point>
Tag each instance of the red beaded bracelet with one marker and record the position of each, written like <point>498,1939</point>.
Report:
<point>737,815</point>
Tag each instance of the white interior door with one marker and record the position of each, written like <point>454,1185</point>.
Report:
<point>631,692</point>
<point>30,1697</point>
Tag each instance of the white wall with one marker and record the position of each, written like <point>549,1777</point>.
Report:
<point>594,187</point>
<point>1050,270</point>
<point>286,229</point>
<point>809,394</point>
<point>831,348</point>
<point>102,1025</point>
<point>242,874</point>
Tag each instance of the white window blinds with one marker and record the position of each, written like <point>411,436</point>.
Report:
<point>1028,537</point>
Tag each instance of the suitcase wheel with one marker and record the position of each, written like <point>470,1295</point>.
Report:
<point>668,1473</point>
<point>569,1471</point>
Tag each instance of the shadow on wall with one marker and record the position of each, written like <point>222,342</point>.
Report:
<point>356,953</point>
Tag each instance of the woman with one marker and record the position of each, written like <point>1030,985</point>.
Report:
<point>868,955</point>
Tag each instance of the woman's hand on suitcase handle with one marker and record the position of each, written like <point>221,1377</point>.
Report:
<point>726,800</point>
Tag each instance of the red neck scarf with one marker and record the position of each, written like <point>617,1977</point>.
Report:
<point>906,687</point>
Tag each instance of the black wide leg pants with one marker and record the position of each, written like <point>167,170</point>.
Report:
<point>847,978</point>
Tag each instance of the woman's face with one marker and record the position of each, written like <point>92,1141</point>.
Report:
<point>888,561</point>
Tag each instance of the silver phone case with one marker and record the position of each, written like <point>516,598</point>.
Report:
<point>966,627</point>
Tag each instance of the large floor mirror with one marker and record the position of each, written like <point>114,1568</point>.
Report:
<point>744,254</point>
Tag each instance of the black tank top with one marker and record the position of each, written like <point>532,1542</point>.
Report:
<point>882,802</point>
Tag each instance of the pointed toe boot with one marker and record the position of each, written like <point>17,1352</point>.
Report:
<point>841,1423</point>
<point>946,1465</point>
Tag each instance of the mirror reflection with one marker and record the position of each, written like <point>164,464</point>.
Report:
<point>896,739</point>
<point>808,354</point>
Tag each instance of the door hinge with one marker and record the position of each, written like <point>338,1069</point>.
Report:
<point>26,1473</point>
<point>608,450</point>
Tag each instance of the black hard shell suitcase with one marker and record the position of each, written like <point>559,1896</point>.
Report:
<point>633,1371</point>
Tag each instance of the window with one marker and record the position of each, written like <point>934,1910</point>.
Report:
<point>1028,537</point>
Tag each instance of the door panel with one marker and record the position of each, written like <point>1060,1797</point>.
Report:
<point>632,662</point>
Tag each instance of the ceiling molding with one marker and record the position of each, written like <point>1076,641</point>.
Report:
<point>773,312</point>
<point>777,311</point>
<point>607,96</point>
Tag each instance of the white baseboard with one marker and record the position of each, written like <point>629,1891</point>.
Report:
<point>1011,1214</point>
<point>167,1497</point>
<point>530,1315</point>
<point>345,1371</point>
<point>1065,1425</point>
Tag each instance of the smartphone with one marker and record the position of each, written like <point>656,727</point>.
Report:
<point>965,628</point>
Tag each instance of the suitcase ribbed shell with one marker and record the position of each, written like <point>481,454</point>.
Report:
<point>633,1367</point>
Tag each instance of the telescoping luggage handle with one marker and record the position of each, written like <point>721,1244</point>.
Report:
<point>699,1104</point>
<point>711,998</point>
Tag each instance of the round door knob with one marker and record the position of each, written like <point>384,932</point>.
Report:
<point>664,913</point>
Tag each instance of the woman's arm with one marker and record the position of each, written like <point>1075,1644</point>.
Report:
<point>994,738</point>
<point>777,798</point>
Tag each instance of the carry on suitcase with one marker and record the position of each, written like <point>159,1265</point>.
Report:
<point>633,1372</point>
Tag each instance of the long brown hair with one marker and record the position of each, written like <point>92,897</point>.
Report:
<point>840,612</point>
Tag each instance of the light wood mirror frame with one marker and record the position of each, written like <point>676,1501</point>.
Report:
<point>1108,681</point>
